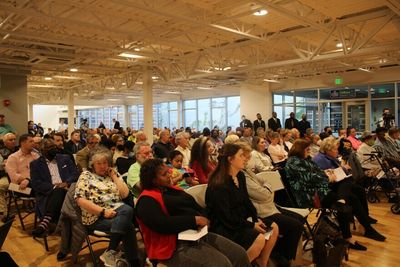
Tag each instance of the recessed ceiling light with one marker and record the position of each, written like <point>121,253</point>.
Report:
<point>339,45</point>
<point>137,49</point>
<point>48,78</point>
<point>154,77</point>
<point>173,92</point>
<point>123,83</point>
<point>110,87</point>
<point>205,88</point>
<point>129,55</point>
<point>132,96</point>
<point>261,12</point>
<point>138,82</point>
<point>113,99</point>
<point>73,69</point>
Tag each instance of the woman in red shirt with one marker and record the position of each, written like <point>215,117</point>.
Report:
<point>200,160</point>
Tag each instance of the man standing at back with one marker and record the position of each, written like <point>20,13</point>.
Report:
<point>245,123</point>
<point>17,165</point>
<point>274,123</point>
<point>303,125</point>
<point>291,122</point>
<point>259,122</point>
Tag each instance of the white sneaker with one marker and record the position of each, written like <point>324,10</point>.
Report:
<point>109,258</point>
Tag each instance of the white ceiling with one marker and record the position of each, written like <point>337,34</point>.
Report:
<point>189,45</point>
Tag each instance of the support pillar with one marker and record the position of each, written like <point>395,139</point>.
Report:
<point>148,105</point>
<point>126,116</point>
<point>30,111</point>
<point>71,112</point>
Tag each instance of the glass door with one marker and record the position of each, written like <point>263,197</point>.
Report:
<point>355,115</point>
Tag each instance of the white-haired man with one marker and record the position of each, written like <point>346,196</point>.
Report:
<point>182,140</point>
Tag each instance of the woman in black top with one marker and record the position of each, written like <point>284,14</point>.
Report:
<point>229,207</point>
<point>183,213</point>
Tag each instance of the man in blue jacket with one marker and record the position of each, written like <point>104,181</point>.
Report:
<point>51,175</point>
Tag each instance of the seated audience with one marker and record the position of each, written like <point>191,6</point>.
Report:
<point>231,138</point>
<point>200,159</point>
<point>17,165</point>
<point>7,148</point>
<point>82,156</point>
<point>290,224</point>
<point>352,137</point>
<point>259,161</point>
<point>295,134</point>
<point>164,210</point>
<point>74,144</point>
<point>393,137</point>
<point>163,147</point>
<point>355,194</point>
<point>229,207</point>
<point>310,187</point>
<point>182,141</point>
<point>51,175</point>
<point>99,193</point>
<point>277,151</point>
<point>386,148</point>
<point>286,137</point>
<point>142,152</point>
<point>181,176</point>
<point>315,145</point>
<point>247,135</point>
<point>127,158</point>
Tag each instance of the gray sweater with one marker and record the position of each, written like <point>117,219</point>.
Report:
<point>260,194</point>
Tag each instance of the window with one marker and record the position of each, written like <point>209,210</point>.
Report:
<point>233,111</point>
<point>382,90</point>
<point>204,113</point>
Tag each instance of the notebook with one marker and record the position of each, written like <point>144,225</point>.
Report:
<point>193,235</point>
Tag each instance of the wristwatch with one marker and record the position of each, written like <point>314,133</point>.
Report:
<point>102,213</point>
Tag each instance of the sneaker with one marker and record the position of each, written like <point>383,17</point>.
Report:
<point>373,234</point>
<point>122,263</point>
<point>109,258</point>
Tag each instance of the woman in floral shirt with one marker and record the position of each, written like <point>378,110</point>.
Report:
<point>99,192</point>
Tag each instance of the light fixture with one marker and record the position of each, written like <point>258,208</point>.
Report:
<point>137,49</point>
<point>366,70</point>
<point>113,99</point>
<point>138,82</point>
<point>339,45</point>
<point>261,12</point>
<point>73,69</point>
<point>226,68</point>
<point>154,77</point>
<point>123,83</point>
<point>205,88</point>
<point>133,97</point>
<point>173,92</point>
<point>48,78</point>
<point>67,77</point>
<point>45,86</point>
<point>271,81</point>
<point>129,55</point>
<point>110,87</point>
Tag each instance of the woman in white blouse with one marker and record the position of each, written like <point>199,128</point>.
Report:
<point>277,151</point>
<point>259,161</point>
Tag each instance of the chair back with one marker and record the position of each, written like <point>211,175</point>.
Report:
<point>198,192</point>
<point>273,178</point>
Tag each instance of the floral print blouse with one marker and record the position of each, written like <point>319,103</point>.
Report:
<point>100,190</point>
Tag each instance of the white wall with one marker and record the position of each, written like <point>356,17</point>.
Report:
<point>48,116</point>
<point>14,88</point>
<point>255,98</point>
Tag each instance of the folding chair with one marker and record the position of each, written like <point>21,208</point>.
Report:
<point>14,198</point>
<point>273,178</point>
<point>104,237</point>
<point>198,192</point>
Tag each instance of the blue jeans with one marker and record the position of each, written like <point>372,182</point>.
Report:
<point>120,224</point>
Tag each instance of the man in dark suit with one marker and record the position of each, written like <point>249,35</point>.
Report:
<point>291,122</point>
<point>116,124</point>
<point>258,123</point>
<point>51,175</point>
<point>245,123</point>
<point>274,123</point>
<point>303,125</point>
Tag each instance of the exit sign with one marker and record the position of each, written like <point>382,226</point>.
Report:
<point>338,81</point>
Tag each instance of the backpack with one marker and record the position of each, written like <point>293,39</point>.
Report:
<point>329,247</point>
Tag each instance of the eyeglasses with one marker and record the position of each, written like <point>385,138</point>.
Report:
<point>93,143</point>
